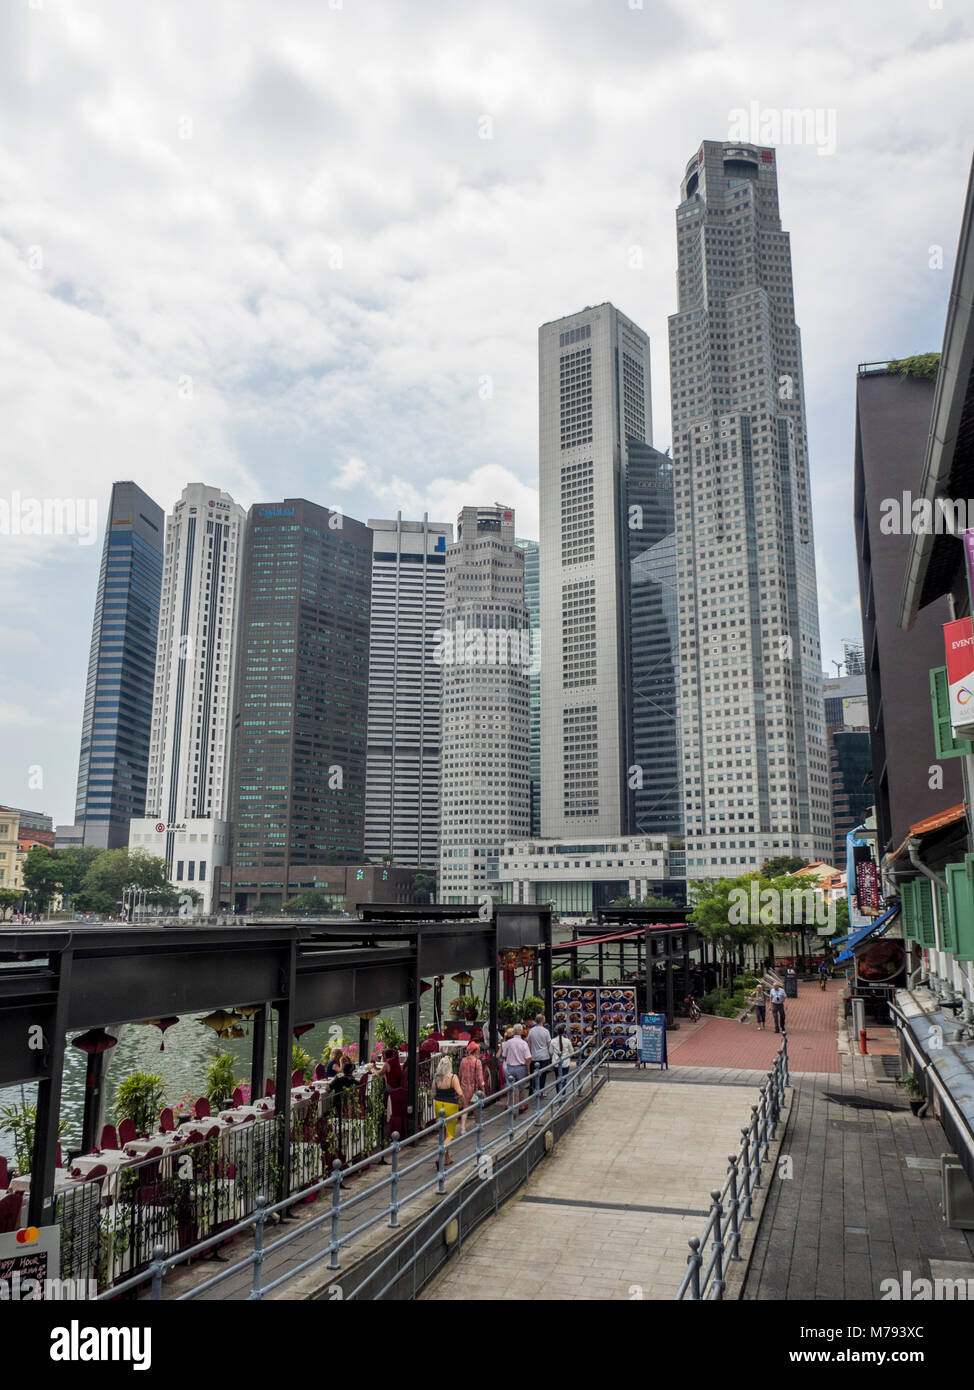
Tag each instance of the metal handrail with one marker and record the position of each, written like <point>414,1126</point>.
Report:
<point>735,1198</point>
<point>596,1059</point>
<point>161,1264</point>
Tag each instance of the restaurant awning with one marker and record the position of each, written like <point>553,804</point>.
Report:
<point>862,934</point>
<point>946,1073</point>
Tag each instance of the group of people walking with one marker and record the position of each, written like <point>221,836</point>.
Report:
<point>758,1002</point>
<point>518,1056</point>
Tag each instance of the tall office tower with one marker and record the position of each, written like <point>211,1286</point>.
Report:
<point>402,780</point>
<point>594,400</point>
<point>485,648</point>
<point>187,796</point>
<point>854,657</point>
<point>657,755</point>
<point>301,698</point>
<point>114,758</point>
<point>755,764</point>
<point>532,602</point>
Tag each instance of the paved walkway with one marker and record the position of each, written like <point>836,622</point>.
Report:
<point>609,1214</point>
<point>723,1042</point>
<point>863,1201</point>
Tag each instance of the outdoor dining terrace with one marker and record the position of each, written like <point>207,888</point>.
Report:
<point>183,1179</point>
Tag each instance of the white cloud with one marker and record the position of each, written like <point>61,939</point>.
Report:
<point>291,210</point>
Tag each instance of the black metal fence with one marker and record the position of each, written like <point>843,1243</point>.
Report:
<point>111,1225</point>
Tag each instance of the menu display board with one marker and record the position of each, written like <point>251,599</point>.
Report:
<point>595,1014</point>
<point>577,1007</point>
<point>617,1018</point>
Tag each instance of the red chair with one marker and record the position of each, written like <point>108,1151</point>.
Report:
<point>10,1211</point>
<point>269,1088</point>
<point>238,1096</point>
<point>167,1121</point>
<point>320,1072</point>
<point>127,1133</point>
<point>202,1109</point>
<point>99,1171</point>
<point>4,1174</point>
<point>108,1140</point>
<point>58,1161</point>
<point>297,1077</point>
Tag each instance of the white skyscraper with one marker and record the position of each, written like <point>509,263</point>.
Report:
<point>594,397</point>
<point>755,768</point>
<point>485,649</point>
<point>189,746</point>
<point>402,787</point>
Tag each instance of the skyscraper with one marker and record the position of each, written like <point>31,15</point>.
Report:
<point>300,699</point>
<point>594,400</point>
<point>532,602</point>
<point>657,759</point>
<point>402,788</point>
<point>485,650</point>
<point>113,765</point>
<point>187,796</point>
<point>756,772</point>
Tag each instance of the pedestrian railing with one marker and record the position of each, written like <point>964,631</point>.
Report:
<point>496,1125</point>
<point>732,1204</point>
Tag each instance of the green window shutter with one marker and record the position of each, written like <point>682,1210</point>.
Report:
<point>946,745</point>
<point>948,937</point>
<point>908,911</point>
<point>923,901</point>
<point>960,891</point>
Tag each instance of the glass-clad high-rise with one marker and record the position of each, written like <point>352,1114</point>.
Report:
<point>114,759</point>
<point>298,789</point>
<point>656,779</point>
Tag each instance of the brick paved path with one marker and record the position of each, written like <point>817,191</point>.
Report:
<point>723,1042</point>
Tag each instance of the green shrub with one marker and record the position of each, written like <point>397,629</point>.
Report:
<point>302,1061</point>
<point>530,1006</point>
<point>219,1080</point>
<point>139,1098</point>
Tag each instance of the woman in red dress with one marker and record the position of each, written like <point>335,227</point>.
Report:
<point>471,1079</point>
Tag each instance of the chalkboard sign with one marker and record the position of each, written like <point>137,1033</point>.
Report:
<point>651,1040</point>
<point>26,1271</point>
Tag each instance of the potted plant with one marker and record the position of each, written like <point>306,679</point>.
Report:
<point>916,1093</point>
<point>389,1035</point>
<point>302,1061</point>
<point>531,1006</point>
<point>219,1080</point>
<point>507,1013</point>
<point>139,1098</point>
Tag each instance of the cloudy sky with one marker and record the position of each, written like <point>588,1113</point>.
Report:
<point>303,248</point>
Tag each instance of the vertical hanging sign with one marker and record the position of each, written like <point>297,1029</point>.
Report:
<point>959,649</point>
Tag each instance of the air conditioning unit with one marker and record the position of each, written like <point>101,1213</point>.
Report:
<point>957,1195</point>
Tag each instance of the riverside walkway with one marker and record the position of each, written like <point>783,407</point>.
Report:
<point>609,1215</point>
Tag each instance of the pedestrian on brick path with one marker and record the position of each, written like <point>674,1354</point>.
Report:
<point>778,1008</point>
<point>759,1003</point>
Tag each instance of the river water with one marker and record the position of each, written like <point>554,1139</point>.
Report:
<point>189,1047</point>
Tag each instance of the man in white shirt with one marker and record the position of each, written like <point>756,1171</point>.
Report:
<point>778,1008</point>
<point>516,1054</point>
<point>539,1042</point>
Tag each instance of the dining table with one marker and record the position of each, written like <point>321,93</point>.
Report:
<point>111,1159</point>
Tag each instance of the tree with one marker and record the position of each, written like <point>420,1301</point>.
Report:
<point>309,902</point>
<point>424,885</point>
<point>41,876</point>
<point>9,898</point>
<point>711,916</point>
<point>784,864</point>
<point>114,870</point>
